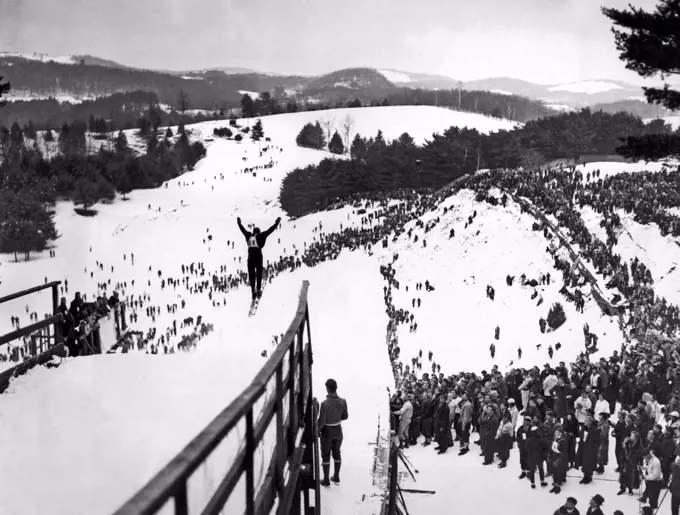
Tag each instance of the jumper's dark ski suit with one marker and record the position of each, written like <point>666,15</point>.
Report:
<point>256,240</point>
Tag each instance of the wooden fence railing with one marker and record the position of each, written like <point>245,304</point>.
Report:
<point>46,339</point>
<point>291,481</point>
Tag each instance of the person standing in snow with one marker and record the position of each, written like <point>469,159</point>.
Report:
<point>405,414</point>
<point>256,240</point>
<point>466,414</point>
<point>332,412</point>
<point>581,407</point>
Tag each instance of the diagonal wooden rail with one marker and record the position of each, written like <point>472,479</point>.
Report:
<point>291,481</point>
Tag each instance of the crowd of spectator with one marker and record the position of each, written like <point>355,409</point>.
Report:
<point>559,416</point>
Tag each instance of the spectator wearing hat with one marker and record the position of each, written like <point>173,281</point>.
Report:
<point>603,451</point>
<point>571,431</point>
<point>588,447</point>
<point>568,508</point>
<point>332,412</point>
<point>487,431</point>
<point>466,416</point>
<point>522,436</point>
<point>621,432</point>
<point>595,507</point>
<point>559,396</point>
<point>629,477</point>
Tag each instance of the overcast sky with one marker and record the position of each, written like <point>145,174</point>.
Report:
<point>545,41</point>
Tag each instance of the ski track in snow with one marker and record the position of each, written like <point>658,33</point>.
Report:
<point>119,418</point>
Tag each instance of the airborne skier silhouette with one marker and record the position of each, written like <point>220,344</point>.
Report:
<point>256,240</point>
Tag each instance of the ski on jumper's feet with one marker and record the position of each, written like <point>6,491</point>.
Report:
<point>254,304</point>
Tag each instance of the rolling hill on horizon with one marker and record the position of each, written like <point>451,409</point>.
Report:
<point>85,77</point>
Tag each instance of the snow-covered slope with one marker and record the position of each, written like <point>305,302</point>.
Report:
<point>498,243</point>
<point>37,56</point>
<point>588,87</point>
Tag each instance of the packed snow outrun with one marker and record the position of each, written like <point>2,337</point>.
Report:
<point>477,328</point>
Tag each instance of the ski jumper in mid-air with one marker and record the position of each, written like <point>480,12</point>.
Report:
<point>256,240</point>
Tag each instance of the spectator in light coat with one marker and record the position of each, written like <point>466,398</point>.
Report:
<point>405,414</point>
<point>581,407</point>
<point>601,406</point>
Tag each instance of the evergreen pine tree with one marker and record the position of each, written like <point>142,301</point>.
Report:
<point>168,133</point>
<point>648,42</point>
<point>121,145</point>
<point>258,131</point>
<point>247,106</point>
<point>335,145</point>
<point>152,144</point>
<point>358,148</point>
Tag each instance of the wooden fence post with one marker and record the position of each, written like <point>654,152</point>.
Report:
<point>55,310</point>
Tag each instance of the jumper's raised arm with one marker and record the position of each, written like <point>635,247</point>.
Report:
<point>273,227</point>
<point>243,229</point>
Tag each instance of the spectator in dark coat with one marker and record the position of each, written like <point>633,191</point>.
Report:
<point>674,488</point>
<point>535,454</point>
<point>442,426</point>
<point>588,447</point>
<point>77,308</point>
<point>629,477</point>
<point>559,460</point>
<point>522,436</point>
<point>488,429</point>
<point>569,508</point>
<point>559,395</point>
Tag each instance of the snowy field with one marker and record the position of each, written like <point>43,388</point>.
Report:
<point>119,418</point>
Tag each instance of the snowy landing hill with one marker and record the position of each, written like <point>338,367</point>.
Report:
<point>120,418</point>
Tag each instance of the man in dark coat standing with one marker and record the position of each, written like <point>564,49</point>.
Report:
<point>489,426</point>
<point>332,412</point>
<point>587,449</point>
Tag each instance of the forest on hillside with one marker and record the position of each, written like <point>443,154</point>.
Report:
<point>378,165</point>
<point>120,111</point>
<point>30,185</point>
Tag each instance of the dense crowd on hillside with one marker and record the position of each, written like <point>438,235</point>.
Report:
<point>559,416</point>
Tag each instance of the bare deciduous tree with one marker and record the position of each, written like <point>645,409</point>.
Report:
<point>328,125</point>
<point>347,126</point>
